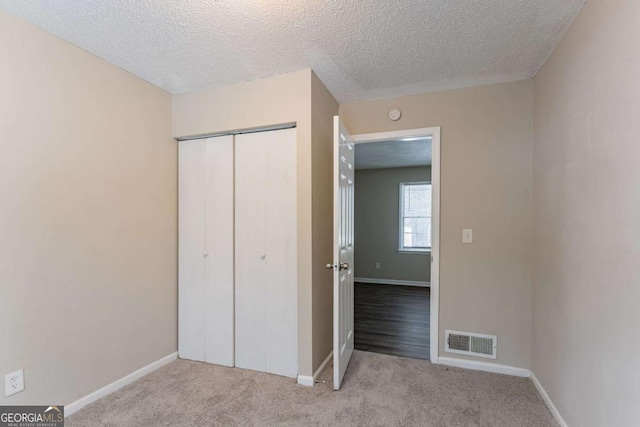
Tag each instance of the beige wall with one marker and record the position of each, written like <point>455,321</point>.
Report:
<point>88,279</point>
<point>485,185</point>
<point>275,100</point>
<point>586,320</point>
<point>323,108</point>
<point>377,222</point>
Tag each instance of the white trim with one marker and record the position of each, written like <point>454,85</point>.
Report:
<point>238,131</point>
<point>547,400</point>
<point>434,133</point>
<point>323,366</point>
<point>475,365</point>
<point>434,340</point>
<point>117,384</point>
<point>396,134</point>
<point>308,381</point>
<point>392,282</point>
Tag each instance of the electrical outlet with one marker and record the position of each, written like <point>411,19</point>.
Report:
<point>13,383</point>
<point>377,266</point>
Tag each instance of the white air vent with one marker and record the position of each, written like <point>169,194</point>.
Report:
<point>480,345</point>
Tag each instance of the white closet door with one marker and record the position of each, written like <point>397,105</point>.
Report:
<point>191,246</point>
<point>219,272</point>
<point>250,254</point>
<point>205,272</point>
<point>266,261</point>
<point>281,250</point>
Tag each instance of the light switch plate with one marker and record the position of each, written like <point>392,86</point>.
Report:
<point>467,235</point>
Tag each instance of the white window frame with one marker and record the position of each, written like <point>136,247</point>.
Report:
<point>401,248</point>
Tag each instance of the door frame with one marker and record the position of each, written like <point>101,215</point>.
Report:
<point>434,133</point>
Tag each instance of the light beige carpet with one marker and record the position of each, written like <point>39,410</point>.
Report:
<point>378,390</point>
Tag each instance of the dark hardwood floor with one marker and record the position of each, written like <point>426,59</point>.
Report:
<point>392,319</point>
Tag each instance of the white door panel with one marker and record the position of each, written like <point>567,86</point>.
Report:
<point>281,318</point>
<point>191,243</point>
<point>266,252</point>
<point>343,192</point>
<point>219,244</point>
<point>250,252</point>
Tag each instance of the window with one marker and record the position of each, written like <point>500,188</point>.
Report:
<point>415,216</point>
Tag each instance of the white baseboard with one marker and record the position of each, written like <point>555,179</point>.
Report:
<point>310,381</point>
<point>547,400</point>
<point>392,282</point>
<point>306,380</point>
<point>485,366</point>
<point>117,384</point>
<point>323,366</point>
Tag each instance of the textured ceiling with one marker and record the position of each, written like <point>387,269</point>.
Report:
<point>360,49</point>
<point>393,154</point>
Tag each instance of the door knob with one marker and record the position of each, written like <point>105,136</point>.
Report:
<point>205,254</point>
<point>263,256</point>
<point>341,266</point>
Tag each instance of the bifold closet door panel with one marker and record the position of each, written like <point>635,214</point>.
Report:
<point>250,229</point>
<point>281,325</point>
<point>219,243</point>
<point>191,246</point>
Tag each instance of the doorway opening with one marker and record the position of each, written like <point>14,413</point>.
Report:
<point>417,227</point>
<point>396,243</point>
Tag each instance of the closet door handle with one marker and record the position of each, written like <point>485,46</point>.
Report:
<point>344,266</point>
<point>206,254</point>
<point>263,256</point>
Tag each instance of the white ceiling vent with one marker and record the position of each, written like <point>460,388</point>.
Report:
<point>471,344</point>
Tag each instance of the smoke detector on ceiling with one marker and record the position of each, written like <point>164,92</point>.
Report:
<point>395,114</point>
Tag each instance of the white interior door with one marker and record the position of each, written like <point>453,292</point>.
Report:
<point>343,192</point>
